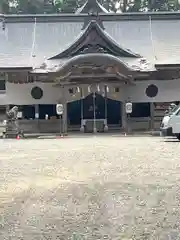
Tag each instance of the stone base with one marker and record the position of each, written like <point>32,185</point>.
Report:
<point>106,128</point>
<point>94,130</point>
<point>10,135</point>
<point>12,130</point>
<point>82,129</point>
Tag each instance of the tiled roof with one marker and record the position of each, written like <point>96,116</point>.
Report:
<point>153,36</point>
<point>158,41</point>
<point>16,42</point>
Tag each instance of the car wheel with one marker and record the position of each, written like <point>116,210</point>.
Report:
<point>178,136</point>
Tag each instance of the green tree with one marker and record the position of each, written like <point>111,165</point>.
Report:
<point>28,6</point>
<point>70,6</point>
<point>4,6</point>
<point>122,5</point>
<point>153,5</point>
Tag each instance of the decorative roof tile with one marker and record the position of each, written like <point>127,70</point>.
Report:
<point>91,7</point>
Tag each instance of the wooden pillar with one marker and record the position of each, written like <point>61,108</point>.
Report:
<point>151,116</point>
<point>105,108</point>
<point>37,116</point>
<point>64,116</point>
<point>7,108</point>
<point>124,116</point>
<point>36,111</point>
<point>94,111</point>
<point>82,110</point>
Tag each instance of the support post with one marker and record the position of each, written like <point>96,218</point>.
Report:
<point>82,111</point>
<point>124,116</point>
<point>60,124</point>
<point>64,117</point>
<point>37,115</point>
<point>128,123</point>
<point>94,111</point>
<point>36,111</point>
<point>105,106</point>
<point>7,108</point>
<point>152,116</point>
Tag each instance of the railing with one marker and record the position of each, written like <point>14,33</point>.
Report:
<point>53,125</point>
<point>143,123</point>
<point>40,125</point>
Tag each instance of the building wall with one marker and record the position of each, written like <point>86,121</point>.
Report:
<point>20,94</point>
<point>167,91</point>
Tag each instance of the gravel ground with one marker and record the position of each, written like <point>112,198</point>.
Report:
<point>91,188</point>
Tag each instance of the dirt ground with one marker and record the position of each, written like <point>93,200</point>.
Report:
<point>104,187</point>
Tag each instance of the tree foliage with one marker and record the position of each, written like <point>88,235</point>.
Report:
<point>70,6</point>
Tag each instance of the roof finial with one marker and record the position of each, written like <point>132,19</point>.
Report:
<point>92,7</point>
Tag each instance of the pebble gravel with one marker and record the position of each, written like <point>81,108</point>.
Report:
<point>95,187</point>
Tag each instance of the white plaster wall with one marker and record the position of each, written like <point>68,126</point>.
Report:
<point>20,94</point>
<point>168,91</point>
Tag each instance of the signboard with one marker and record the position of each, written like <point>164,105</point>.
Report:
<point>59,109</point>
<point>129,107</point>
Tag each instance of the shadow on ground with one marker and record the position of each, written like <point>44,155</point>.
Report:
<point>171,139</point>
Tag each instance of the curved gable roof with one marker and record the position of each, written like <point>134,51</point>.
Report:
<point>91,58</point>
<point>94,39</point>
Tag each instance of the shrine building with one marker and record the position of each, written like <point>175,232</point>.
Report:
<point>92,62</point>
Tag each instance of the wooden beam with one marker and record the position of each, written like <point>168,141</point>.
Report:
<point>105,79</point>
<point>15,69</point>
<point>93,77</point>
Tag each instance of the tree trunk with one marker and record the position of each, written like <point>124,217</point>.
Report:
<point>124,9</point>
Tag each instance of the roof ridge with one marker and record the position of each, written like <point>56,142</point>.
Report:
<point>144,16</point>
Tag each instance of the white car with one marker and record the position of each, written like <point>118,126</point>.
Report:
<point>170,125</point>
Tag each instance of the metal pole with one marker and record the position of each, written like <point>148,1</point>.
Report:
<point>128,119</point>
<point>152,116</point>
<point>36,106</point>
<point>82,111</point>
<point>62,115</point>
<point>60,125</point>
<point>105,102</point>
<point>94,108</point>
<point>61,120</point>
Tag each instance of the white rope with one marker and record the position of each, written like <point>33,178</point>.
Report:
<point>33,42</point>
<point>151,36</point>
